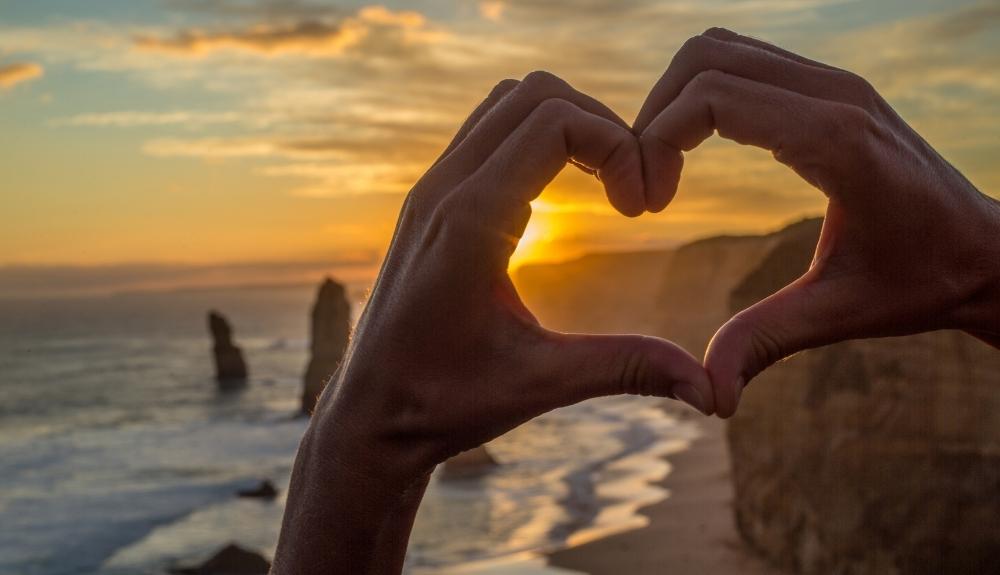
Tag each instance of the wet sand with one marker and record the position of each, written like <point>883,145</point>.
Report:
<point>691,532</point>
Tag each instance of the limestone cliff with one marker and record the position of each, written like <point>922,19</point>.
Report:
<point>874,456</point>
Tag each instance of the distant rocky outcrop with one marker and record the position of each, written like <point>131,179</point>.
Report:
<point>230,368</point>
<point>263,490</point>
<point>868,457</point>
<point>230,560</point>
<point>469,464</point>
<point>331,332</point>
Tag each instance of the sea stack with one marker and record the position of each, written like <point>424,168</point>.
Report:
<point>230,560</point>
<point>870,456</point>
<point>331,331</point>
<point>230,369</point>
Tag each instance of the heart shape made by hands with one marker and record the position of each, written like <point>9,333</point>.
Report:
<point>903,229</point>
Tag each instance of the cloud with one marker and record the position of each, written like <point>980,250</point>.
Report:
<point>19,72</point>
<point>136,119</point>
<point>492,10</point>
<point>315,38</point>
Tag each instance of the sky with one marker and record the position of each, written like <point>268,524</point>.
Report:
<point>184,135</point>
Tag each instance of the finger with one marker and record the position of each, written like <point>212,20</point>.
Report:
<point>823,141</point>
<point>537,151</point>
<point>805,314</point>
<point>730,36</point>
<point>501,120</point>
<point>494,97</point>
<point>708,52</point>
<point>580,367</point>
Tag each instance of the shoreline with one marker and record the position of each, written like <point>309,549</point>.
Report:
<point>691,531</point>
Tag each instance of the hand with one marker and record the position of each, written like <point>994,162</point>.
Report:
<point>446,357</point>
<point>908,244</point>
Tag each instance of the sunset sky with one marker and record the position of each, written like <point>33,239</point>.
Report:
<point>284,132</point>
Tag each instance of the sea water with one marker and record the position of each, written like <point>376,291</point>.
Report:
<point>118,454</point>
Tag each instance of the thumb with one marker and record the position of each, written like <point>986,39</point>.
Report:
<point>599,365</point>
<point>807,313</point>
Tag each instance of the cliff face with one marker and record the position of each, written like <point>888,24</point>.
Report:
<point>874,456</point>
<point>866,457</point>
<point>331,332</point>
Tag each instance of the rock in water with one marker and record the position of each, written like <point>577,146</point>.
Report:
<point>331,331</point>
<point>865,457</point>
<point>230,560</point>
<point>468,464</point>
<point>264,490</point>
<point>230,369</point>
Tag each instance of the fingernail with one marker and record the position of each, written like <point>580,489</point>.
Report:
<point>690,395</point>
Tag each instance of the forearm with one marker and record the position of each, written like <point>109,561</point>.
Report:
<point>339,519</point>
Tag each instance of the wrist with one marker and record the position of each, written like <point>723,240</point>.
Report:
<point>341,516</point>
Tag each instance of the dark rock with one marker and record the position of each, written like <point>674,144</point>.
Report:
<point>469,464</point>
<point>264,490</point>
<point>331,332</point>
<point>230,560</point>
<point>230,368</point>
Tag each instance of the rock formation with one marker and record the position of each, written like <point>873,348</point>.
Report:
<point>230,560</point>
<point>331,331</point>
<point>230,369</point>
<point>263,490</point>
<point>865,457</point>
<point>469,464</point>
<point>874,456</point>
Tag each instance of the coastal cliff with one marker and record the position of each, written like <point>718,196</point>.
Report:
<point>872,456</point>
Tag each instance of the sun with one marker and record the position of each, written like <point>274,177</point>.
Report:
<point>534,243</point>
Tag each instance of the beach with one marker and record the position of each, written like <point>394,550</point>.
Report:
<point>691,531</point>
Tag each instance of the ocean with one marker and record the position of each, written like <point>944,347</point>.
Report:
<point>119,456</point>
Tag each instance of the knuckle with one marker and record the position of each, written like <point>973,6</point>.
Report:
<point>695,47</point>
<point>719,32</point>
<point>549,114</point>
<point>763,346</point>
<point>554,108</point>
<point>707,81</point>
<point>542,82</point>
<point>504,86</point>
<point>855,126</point>
<point>860,90</point>
<point>633,371</point>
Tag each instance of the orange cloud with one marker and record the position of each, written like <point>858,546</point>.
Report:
<point>310,37</point>
<point>18,72</point>
<point>317,38</point>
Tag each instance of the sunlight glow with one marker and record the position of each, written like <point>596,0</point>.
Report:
<point>535,242</point>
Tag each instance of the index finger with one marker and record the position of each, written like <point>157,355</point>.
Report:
<point>516,173</point>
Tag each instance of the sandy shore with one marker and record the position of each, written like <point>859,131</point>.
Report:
<point>691,532</point>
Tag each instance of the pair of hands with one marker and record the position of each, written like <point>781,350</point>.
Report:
<point>446,357</point>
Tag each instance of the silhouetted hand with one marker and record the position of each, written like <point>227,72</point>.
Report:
<point>446,357</point>
<point>908,244</point>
